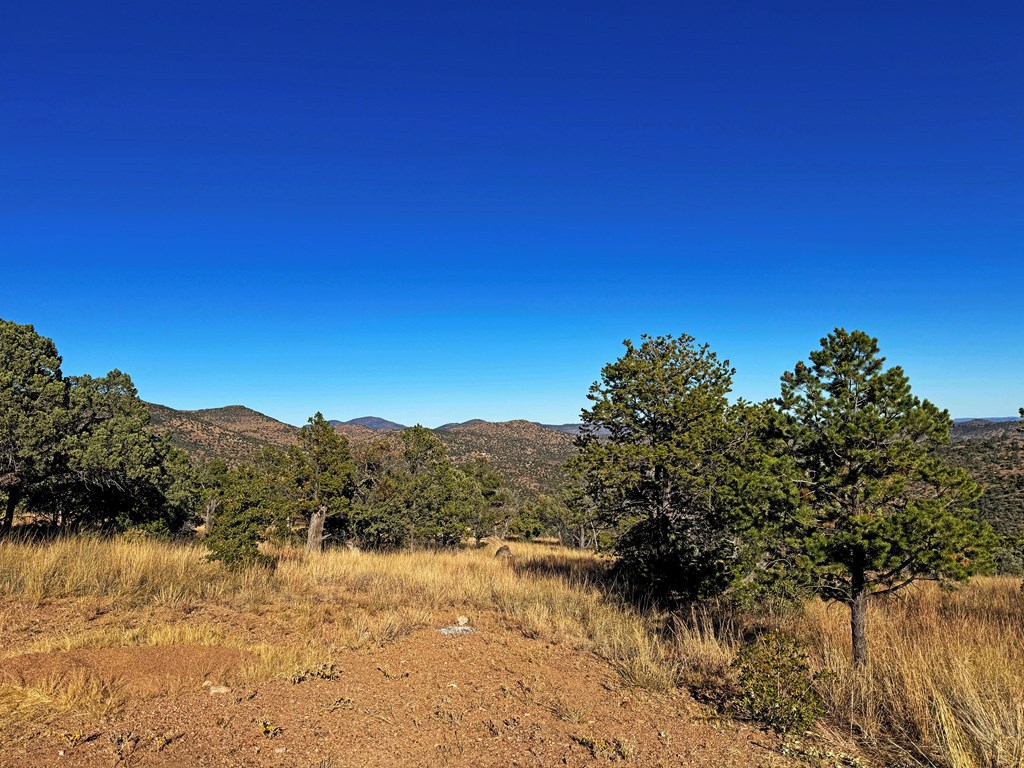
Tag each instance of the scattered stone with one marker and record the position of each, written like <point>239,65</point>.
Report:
<point>503,553</point>
<point>215,689</point>
<point>462,621</point>
<point>456,630</point>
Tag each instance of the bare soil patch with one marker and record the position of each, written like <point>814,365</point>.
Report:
<point>492,698</point>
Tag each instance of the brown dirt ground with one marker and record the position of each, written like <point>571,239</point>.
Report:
<point>493,698</point>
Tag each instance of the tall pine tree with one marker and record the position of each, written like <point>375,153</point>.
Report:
<point>885,510</point>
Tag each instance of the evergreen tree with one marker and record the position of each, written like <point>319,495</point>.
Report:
<point>114,472</point>
<point>411,494</point>
<point>33,409</point>
<point>323,474</point>
<point>249,506</point>
<point>885,510</point>
<point>495,515</point>
<point>667,461</point>
<point>77,450</point>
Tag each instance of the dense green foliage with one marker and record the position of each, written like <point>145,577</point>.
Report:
<point>321,474</point>
<point>884,508</point>
<point>249,509</point>
<point>33,411</point>
<point>677,471</point>
<point>76,451</point>
<point>835,488</point>
<point>410,493</point>
<point>777,685</point>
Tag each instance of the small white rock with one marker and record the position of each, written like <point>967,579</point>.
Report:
<point>216,689</point>
<point>462,621</point>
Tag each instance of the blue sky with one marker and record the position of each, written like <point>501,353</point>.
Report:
<point>435,212</point>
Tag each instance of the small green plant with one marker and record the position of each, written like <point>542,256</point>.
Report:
<point>777,684</point>
<point>269,730</point>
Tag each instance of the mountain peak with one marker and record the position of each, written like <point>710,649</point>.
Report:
<point>376,423</point>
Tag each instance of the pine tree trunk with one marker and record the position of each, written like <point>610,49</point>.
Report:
<point>858,611</point>
<point>315,534</point>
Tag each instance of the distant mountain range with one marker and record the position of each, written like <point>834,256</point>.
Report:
<point>529,455</point>
<point>375,423</point>
<point>973,429</point>
<point>988,418</point>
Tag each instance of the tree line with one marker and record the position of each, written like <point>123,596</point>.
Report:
<point>76,453</point>
<point>834,488</point>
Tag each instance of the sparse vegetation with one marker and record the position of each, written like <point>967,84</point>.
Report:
<point>944,684</point>
<point>734,523</point>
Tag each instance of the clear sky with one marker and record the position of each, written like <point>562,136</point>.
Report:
<point>438,211</point>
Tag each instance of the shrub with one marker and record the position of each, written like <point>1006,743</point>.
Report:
<point>777,684</point>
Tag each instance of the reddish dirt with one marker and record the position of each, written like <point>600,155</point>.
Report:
<point>136,670</point>
<point>493,698</point>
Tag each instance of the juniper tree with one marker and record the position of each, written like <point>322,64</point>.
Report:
<point>411,494</point>
<point>669,462</point>
<point>114,472</point>
<point>322,472</point>
<point>33,408</point>
<point>885,510</point>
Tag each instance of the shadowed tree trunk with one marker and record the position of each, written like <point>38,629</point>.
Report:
<point>12,503</point>
<point>858,629</point>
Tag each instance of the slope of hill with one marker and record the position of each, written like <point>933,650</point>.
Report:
<point>526,454</point>
<point>356,434</point>
<point>230,433</point>
<point>993,452</point>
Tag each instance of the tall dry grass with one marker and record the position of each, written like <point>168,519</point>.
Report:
<point>945,681</point>
<point>310,609</point>
<point>944,687</point>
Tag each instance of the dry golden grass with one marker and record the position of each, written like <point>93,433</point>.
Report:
<point>945,684</point>
<point>315,607</point>
<point>945,681</point>
<point>946,676</point>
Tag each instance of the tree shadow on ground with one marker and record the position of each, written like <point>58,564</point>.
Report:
<point>598,573</point>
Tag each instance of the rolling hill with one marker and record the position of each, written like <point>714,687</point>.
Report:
<point>230,433</point>
<point>528,455</point>
<point>993,452</point>
<point>376,423</point>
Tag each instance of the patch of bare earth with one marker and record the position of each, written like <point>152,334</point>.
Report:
<point>491,698</point>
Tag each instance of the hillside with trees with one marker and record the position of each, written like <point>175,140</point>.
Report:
<point>993,452</point>
<point>530,457</point>
<point>725,529</point>
<point>231,433</point>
